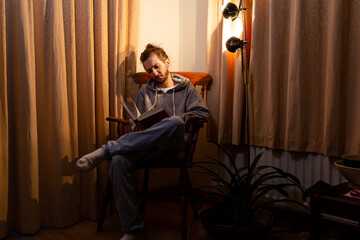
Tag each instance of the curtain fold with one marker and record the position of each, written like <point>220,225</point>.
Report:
<point>4,129</point>
<point>303,75</point>
<point>303,81</point>
<point>56,74</point>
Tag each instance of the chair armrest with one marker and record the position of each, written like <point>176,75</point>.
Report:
<point>122,125</point>
<point>197,121</point>
<point>195,124</point>
<point>118,120</point>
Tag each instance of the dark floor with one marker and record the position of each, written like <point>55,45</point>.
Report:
<point>162,222</point>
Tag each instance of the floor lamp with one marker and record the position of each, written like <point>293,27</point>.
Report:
<point>234,44</point>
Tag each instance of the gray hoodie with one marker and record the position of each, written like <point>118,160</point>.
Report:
<point>183,100</point>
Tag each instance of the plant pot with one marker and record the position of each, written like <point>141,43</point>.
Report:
<point>351,160</point>
<point>259,229</point>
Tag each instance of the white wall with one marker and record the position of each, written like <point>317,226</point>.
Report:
<point>179,26</point>
<point>193,20</point>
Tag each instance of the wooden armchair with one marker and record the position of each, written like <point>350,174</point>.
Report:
<point>180,160</point>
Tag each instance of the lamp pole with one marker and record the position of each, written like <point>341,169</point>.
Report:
<point>233,44</point>
<point>246,73</point>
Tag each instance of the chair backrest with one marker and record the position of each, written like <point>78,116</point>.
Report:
<point>196,78</point>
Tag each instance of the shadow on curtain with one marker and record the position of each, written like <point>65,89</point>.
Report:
<point>64,66</point>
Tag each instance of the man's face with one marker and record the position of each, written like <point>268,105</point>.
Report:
<point>157,69</point>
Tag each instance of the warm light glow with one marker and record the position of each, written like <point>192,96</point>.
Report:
<point>223,6</point>
<point>231,28</point>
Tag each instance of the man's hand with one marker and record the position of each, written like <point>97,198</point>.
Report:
<point>132,125</point>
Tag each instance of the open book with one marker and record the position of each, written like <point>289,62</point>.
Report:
<point>148,118</point>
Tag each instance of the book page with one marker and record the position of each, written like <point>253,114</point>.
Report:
<point>131,108</point>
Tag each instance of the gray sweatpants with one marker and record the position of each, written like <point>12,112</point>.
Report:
<point>167,134</point>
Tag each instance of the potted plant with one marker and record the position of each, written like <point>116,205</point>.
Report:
<point>237,199</point>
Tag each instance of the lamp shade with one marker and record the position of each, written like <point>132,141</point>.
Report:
<point>230,11</point>
<point>233,44</point>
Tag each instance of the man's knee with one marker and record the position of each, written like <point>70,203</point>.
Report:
<point>175,121</point>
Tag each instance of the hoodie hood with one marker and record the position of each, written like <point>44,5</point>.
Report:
<point>180,81</point>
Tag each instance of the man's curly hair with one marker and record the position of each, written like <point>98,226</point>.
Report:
<point>153,49</point>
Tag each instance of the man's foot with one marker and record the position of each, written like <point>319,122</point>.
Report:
<point>91,160</point>
<point>132,236</point>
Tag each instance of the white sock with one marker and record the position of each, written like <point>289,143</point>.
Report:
<point>90,160</point>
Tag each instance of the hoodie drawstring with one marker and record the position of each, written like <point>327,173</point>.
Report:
<point>155,101</point>
<point>156,93</point>
<point>173,102</point>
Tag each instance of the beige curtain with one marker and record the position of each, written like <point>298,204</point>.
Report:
<point>227,93</point>
<point>64,66</point>
<point>305,76</point>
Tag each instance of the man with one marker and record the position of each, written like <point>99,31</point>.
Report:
<point>180,99</point>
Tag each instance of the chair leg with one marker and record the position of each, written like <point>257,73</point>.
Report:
<point>186,192</point>
<point>183,209</point>
<point>195,211</point>
<point>107,195</point>
<point>144,190</point>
